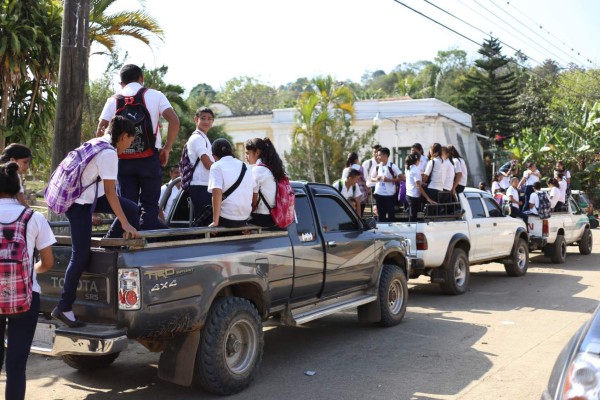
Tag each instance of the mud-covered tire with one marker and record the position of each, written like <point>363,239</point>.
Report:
<point>458,274</point>
<point>89,363</point>
<point>519,259</point>
<point>231,346</point>
<point>558,250</point>
<point>586,242</point>
<point>393,295</point>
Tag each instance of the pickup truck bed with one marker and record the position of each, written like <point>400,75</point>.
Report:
<point>200,300</point>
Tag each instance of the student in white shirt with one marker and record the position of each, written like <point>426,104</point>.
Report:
<point>368,168</point>
<point>414,190</point>
<point>353,163</point>
<point>534,200</point>
<point>140,175</point>
<point>554,193</point>
<point>512,193</point>
<point>433,177</point>
<point>496,183</point>
<point>350,189</point>
<point>200,152</point>
<point>18,329</point>
<point>417,148</point>
<point>448,172</point>
<point>530,176</point>
<point>174,174</point>
<point>267,170</point>
<point>562,187</point>
<point>460,170</point>
<point>234,211</point>
<point>385,177</point>
<point>560,168</point>
<point>120,134</point>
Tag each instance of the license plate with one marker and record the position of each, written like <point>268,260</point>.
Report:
<point>44,336</point>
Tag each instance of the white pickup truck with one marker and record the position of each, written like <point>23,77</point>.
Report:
<point>444,246</point>
<point>562,229</point>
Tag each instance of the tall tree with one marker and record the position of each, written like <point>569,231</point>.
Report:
<point>29,53</point>
<point>245,96</point>
<point>492,93</point>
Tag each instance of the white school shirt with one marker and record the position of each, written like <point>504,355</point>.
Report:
<point>505,182</point>
<point>562,186</point>
<point>461,166</point>
<point>413,175</point>
<point>348,193</point>
<point>423,163</point>
<point>223,174</point>
<point>198,145</point>
<point>385,188</point>
<point>156,103</point>
<point>174,192</point>
<point>554,196</point>
<point>346,170</point>
<point>368,172</point>
<point>448,174</point>
<point>530,178</point>
<point>495,186</point>
<point>39,234</point>
<point>511,191</point>
<point>264,181</point>
<point>435,168</point>
<point>106,166</point>
<point>535,200</point>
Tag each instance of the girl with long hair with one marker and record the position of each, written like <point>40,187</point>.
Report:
<point>20,154</point>
<point>267,169</point>
<point>460,169</point>
<point>352,162</point>
<point>414,190</point>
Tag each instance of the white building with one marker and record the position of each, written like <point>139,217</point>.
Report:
<point>401,122</point>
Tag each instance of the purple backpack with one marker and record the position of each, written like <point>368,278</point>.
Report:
<point>65,184</point>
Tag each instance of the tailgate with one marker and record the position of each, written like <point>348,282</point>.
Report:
<point>95,291</point>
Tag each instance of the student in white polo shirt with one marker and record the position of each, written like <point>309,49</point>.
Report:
<point>200,154</point>
<point>368,168</point>
<point>385,177</point>
<point>350,189</point>
<point>433,176</point>
<point>234,211</point>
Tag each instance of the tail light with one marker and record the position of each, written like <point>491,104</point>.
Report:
<point>129,289</point>
<point>421,240</point>
<point>583,378</point>
<point>545,228</point>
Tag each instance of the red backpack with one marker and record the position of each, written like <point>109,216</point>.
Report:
<point>282,212</point>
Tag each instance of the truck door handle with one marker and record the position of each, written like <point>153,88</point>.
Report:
<point>477,225</point>
<point>495,224</point>
<point>331,244</point>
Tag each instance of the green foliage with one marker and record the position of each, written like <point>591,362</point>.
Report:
<point>247,96</point>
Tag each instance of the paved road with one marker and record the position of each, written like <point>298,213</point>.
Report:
<point>498,341</point>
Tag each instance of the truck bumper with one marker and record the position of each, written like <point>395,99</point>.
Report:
<point>415,264</point>
<point>536,242</point>
<point>54,339</point>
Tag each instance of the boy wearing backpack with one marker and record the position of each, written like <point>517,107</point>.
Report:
<point>385,176</point>
<point>21,230</point>
<point>350,189</point>
<point>140,165</point>
<point>99,180</point>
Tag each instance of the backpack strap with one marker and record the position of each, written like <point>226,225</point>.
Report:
<point>236,184</point>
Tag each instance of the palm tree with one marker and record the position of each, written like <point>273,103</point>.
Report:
<point>106,28</point>
<point>29,52</point>
<point>309,122</point>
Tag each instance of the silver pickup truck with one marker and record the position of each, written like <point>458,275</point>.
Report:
<point>201,300</point>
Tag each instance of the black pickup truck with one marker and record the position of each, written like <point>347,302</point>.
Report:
<point>201,300</point>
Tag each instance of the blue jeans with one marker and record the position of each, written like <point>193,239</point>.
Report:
<point>80,220</point>
<point>200,198</point>
<point>21,328</point>
<point>139,181</point>
<point>385,208</point>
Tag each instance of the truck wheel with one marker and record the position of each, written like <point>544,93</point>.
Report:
<point>586,242</point>
<point>519,258</point>
<point>393,295</point>
<point>89,363</point>
<point>457,274</point>
<point>558,251</point>
<point>231,346</point>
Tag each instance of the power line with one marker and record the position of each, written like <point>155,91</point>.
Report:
<point>535,33</point>
<point>548,32</point>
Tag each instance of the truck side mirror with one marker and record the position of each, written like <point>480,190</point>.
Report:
<point>370,223</point>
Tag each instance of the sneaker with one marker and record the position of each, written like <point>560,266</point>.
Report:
<point>59,315</point>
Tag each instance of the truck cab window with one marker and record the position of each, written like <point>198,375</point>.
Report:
<point>476,207</point>
<point>305,225</point>
<point>334,216</point>
<point>492,206</point>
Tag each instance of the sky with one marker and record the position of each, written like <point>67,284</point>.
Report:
<point>279,41</point>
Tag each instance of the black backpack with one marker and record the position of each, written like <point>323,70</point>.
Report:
<point>134,109</point>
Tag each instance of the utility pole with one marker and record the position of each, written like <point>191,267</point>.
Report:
<point>71,78</point>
